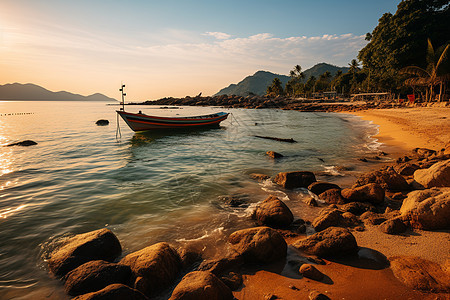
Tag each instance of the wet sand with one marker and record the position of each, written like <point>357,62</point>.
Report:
<point>401,130</point>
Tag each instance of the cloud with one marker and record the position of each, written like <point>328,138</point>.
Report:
<point>218,35</point>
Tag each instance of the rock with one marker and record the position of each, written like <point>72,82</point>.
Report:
<point>273,154</point>
<point>309,271</point>
<point>331,242</point>
<point>113,292</point>
<point>101,244</point>
<point>438,175</point>
<point>25,143</point>
<point>403,159</point>
<point>387,178</point>
<point>188,257</point>
<point>234,201</point>
<point>201,285</point>
<point>315,295</point>
<point>259,244</point>
<point>220,265</point>
<point>232,280</point>
<point>332,196</point>
<point>371,192</point>
<point>311,202</point>
<point>327,218</point>
<point>420,274</point>
<point>372,218</point>
<point>95,275</point>
<point>273,212</point>
<point>350,219</point>
<point>102,122</point>
<point>427,209</point>
<point>357,208</point>
<point>292,180</point>
<point>155,267</point>
<point>319,187</point>
<point>393,226</point>
<point>259,177</point>
<point>423,152</point>
<point>406,169</point>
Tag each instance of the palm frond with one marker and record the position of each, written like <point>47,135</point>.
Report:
<point>430,54</point>
<point>415,71</point>
<point>417,81</point>
<point>442,57</point>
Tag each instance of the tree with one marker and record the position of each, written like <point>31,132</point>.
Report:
<point>295,84</point>
<point>398,39</point>
<point>434,74</point>
<point>275,89</point>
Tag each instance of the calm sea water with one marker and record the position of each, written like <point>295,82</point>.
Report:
<point>148,188</point>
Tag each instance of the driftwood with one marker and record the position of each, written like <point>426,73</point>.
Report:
<point>291,140</point>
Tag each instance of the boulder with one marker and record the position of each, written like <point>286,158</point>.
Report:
<point>371,192</point>
<point>259,177</point>
<point>332,196</point>
<point>232,280</point>
<point>219,265</point>
<point>427,209</point>
<point>95,275</point>
<point>311,272</point>
<point>387,178</point>
<point>100,244</point>
<point>423,152</point>
<point>350,219</point>
<point>154,267</point>
<point>327,218</point>
<point>273,154</point>
<point>393,226</point>
<point>315,295</point>
<point>292,180</point>
<point>188,257</point>
<point>331,242</point>
<point>320,186</point>
<point>273,212</point>
<point>420,274</point>
<point>438,175</point>
<point>102,122</point>
<point>406,169</point>
<point>201,285</point>
<point>259,244</point>
<point>358,208</point>
<point>115,291</point>
<point>372,218</point>
<point>25,143</point>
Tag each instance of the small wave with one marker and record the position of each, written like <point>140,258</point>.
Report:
<point>205,236</point>
<point>332,170</point>
<point>270,187</point>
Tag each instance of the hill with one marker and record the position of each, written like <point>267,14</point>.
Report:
<point>18,91</point>
<point>258,82</point>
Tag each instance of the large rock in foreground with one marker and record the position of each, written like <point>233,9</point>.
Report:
<point>371,192</point>
<point>292,180</point>
<point>201,285</point>
<point>331,242</point>
<point>438,175</point>
<point>420,274</point>
<point>101,244</point>
<point>113,292</point>
<point>259,244</point>
<point>319,187</point>
<point>427,209</point>
<point>328,218</point>
<point>273,212</point>
<point>95,275</point>
<point>155,267</point>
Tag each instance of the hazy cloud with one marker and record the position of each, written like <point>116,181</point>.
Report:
<point>218,35</point>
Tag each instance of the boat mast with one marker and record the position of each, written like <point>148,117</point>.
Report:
<point>123,97</point>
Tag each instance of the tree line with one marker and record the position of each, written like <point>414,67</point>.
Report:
<point>406,53</point>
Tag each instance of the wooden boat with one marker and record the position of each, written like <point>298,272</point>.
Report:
<point>143,122</point>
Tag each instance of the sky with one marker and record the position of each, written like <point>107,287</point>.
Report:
<point>175,48</point>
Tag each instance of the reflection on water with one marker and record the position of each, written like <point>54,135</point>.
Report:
<point>148,187</point>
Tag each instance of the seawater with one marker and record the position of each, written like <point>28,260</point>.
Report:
<point>150,187</point>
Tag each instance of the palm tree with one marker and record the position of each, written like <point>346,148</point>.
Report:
<point>354,66</point>
<point>432,75</point>
<point>297,76</point>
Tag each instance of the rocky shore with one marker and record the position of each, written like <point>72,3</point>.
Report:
<point>285,103</point>
<point>276,259</point>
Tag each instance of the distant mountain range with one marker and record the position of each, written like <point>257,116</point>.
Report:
<point>29,92</point>
<point>258,82</point>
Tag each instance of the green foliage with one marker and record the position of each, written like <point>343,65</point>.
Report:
<point>275,89</point>
<point>398,40</point>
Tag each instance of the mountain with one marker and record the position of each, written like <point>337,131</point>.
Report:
<point>258,82</point>
<point>18,91</point>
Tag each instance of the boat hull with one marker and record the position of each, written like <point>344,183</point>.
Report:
<point>142,122</point>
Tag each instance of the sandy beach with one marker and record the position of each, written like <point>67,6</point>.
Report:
<point>408,128</point>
